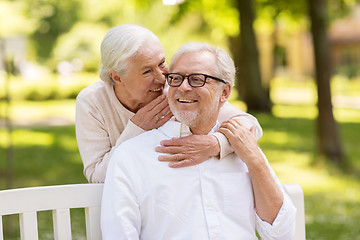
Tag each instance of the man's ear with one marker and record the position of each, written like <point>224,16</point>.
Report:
<point>115,76</point>
<point>225,93</point>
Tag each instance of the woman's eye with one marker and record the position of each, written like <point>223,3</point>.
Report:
<point>162,64</point>
<point>146,72</point>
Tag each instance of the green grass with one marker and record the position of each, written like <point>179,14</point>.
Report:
<point>39,112</point>
<point>332,198</point>
<point>49,156</point>
<point>43,156</point>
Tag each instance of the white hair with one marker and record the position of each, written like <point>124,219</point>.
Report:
<point>225,64</point>
<point>119,46</point>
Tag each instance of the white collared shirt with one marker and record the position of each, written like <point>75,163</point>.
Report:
<point>143,198</point>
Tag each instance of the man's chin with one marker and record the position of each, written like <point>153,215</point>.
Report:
<point>186,117</point>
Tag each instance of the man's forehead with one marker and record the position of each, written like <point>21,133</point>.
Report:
<point>195,62</point>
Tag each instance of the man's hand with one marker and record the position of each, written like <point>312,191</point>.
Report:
<point>154,114</point>
<point>188,151</point>
<point>268,196</point>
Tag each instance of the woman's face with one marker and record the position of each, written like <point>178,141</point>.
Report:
<point>144,80</point>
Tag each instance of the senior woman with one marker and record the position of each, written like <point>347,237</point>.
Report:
<point>130,99</point>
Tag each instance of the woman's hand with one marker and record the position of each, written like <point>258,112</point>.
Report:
<point>242,140</point>
<point>188,151</point>
<point>154,114</point>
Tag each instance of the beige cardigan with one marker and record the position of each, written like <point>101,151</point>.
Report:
<point>103,123</point>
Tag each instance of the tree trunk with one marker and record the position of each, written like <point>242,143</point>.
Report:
<point>328,141</point>
<point>246,58</point>
<point>8,64</point>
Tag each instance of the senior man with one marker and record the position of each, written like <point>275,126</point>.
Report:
<point>143,198</point>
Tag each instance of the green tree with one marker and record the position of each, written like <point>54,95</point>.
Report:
<point>320,13</point>
<point>328,139</point>
<point>247,59</point>
<point>11,13</point>
<point>234,22</point>
<point>83,40</point>
<point>53,17</point>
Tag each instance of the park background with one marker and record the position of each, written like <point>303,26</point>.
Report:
<point>50,50</point>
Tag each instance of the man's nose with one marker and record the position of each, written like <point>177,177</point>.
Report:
<point>185,86</point>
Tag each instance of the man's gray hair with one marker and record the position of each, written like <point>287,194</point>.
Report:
<point>225,65</point>
<point>119,46</point>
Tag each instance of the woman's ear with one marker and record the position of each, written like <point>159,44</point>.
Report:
<point>225,93</point>
<point>115,76</point>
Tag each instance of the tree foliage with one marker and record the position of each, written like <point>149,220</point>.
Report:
<point>13,19</point>
<point>53,18</point>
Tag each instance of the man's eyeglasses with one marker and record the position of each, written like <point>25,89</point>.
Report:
<point>194,79</point>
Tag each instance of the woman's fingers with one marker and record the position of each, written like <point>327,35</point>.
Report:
<point>154,103</point>
<point>153,115</point>
<point>162,120</point>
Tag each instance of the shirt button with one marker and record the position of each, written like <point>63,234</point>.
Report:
<point>208,204</point>
<point>213,235</point>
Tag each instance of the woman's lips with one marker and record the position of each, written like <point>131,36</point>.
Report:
<point>156,89</point>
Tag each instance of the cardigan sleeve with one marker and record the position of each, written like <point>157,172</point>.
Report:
<point>131,130</point>
<point>228,111</point>
<point>93,138</point>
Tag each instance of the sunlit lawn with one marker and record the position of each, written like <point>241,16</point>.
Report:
<point>49,155</point>
<point>332,198</point>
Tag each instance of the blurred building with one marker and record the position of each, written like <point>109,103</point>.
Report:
<point>345,44</point>
<point>291,54</point>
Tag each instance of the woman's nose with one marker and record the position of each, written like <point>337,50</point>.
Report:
<point>159,76</point>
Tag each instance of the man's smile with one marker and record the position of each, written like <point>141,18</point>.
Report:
<point>182,100</point>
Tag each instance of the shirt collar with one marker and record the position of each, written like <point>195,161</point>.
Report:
<point>171,129</point>
<point>175,129</point>
<point>185,130</point>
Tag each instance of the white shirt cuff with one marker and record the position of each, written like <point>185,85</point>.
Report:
<point>283,225</point>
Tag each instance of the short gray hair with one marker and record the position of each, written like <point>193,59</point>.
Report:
<point>119,46</point>
<point>225,64</point>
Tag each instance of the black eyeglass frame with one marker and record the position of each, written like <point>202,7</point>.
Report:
<point>187,76</point>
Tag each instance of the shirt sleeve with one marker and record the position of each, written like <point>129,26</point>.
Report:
<point>283,227</point>
<point>228,111</point>
<point>120,212</point>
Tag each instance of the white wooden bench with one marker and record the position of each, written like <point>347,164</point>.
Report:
<point>60,199</point>
<point>297,196</point>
